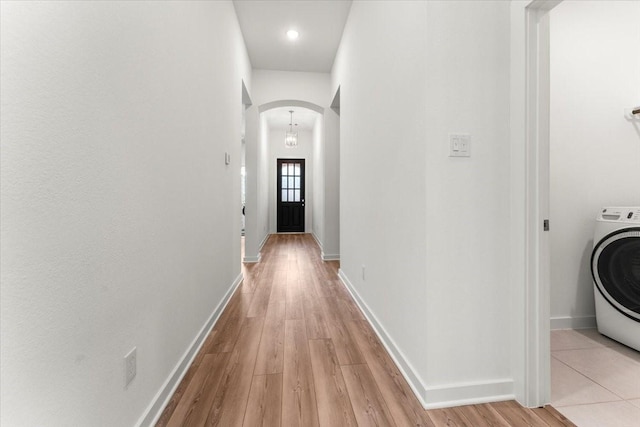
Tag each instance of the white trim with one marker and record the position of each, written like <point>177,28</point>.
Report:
<point>441,396</point>
<point>530,127</point>
<point>469,393</point>
<point>576,322</point>
<point>290,103</point>
<point>325,257</point>
<point>255,259</point>
<point>161,399</point>
<point>330,257</point>
<point>261,245</point>
<point>313,233</point>
<point>252,259</point>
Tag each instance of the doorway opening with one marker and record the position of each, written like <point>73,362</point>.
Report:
<point>539,178</point>
<point>318,145</point>
<point>594,156</point>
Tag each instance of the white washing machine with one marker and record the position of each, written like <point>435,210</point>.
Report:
<point>615,266</point>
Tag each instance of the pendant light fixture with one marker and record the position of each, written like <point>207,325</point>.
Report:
<point>291,137</point>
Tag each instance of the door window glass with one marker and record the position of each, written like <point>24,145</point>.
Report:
<point>290,184</point>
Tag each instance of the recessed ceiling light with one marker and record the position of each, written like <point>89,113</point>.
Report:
<point>292,34</point>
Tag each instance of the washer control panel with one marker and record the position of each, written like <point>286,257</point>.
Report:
<point>620,214</point>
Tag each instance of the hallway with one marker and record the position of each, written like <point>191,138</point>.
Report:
<point>292,349</point>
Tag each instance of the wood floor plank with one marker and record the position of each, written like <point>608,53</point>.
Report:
<point>279,286</point>
<point>250,274</point>
<point>346,348</point>
<point>306,282</point>
<point>294,297</point>
<point>482,415</point>
<point>259,303</point>
<point>368,404</point>
<point>292,264</point>
<point>229,324</point>
<point>230,401</point>
<point>333,267</point>
<point>404,406</point>
<point>348,308</point>
<point>552,417</point>
<point>193,408</point>
<point>447,417</point>
<point>315,319</point>
<point>265,397</point>
<point>270,357</point>
<point>321,286</point>
<point>516,415</point>
<point>295,271</point>
<point>279,259</point>
<point>334,404</point>
<point>299,397</point>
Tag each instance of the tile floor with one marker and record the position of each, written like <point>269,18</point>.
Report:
<point>595,381</point>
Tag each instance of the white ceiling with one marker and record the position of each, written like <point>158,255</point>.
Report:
<point>278,118</point>
<point>264,24</point>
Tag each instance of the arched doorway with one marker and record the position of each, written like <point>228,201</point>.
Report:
<point>265,126</point>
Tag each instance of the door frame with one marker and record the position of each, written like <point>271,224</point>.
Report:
<point>530,173</point>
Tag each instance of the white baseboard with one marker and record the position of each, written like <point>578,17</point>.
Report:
<point>251,259</point>
<point>441,396</point>
<point>330,257</point>
<point>325,257</point>
<point>569,322</point>
<point>317,240</point>
<point>263,242</point>
<point>257,258</point>
<point>161,399</point>
<point>468,393</point>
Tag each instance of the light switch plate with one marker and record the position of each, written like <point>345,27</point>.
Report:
<point>459,145</point>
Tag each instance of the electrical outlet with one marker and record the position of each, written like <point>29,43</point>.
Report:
<point>130,366</point>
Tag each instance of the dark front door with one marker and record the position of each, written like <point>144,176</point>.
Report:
<point>290,195</point>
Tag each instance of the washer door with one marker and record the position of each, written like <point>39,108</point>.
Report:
<point>615,266</point>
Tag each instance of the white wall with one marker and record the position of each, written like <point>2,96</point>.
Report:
<point>257,179</point>
<point>304,150</point>
<point>318,179</point>
<point>431,231</point>
<point>120,223</point>
<point>595,151</point>
<point>253,142</point>
<point>467,252</point>
<point>263,181</point>
<point>331,187</point>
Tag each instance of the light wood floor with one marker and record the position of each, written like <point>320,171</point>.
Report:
<point>292,349</point>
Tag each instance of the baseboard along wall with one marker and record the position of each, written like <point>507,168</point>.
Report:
<point>256,259</point>
<point>330,257</point>
<point>251,259</point>
<point>573,322</point>
<point>433,397</point>
<point>325,257</point>
<point>161,399</point>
